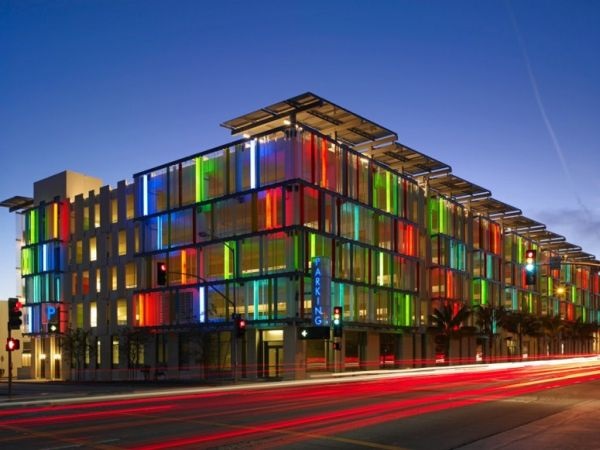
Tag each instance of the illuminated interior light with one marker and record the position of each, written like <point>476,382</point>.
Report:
<point>356,213</point>
<point>159,231</point>
<point>268,207</point>
<point>33,227</point>
<point>286,122</point>
<point>388,192</point>
<point>381,271</point>
<point>246,136</point>
<point>55,221</point>
<point>255,298</point>
<point>183,267</point>
<point>227,273</point>
<point>202,304</point>
<point>145,195</point>
<point>44,257</point>
<point>323,162</point>
<point>198,179</point>
<point>442,215</point>
<point>253,164</point>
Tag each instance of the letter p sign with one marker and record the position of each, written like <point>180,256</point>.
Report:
<point>50,313</point>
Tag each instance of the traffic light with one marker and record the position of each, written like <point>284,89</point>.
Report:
<point>239,323</point>
<point>337,321</point>
<point>530,268</point>
<point>12,344</point>
<point>161,273</point>
<point>14,313</point>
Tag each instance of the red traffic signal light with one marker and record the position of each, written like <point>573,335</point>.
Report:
<point>161,273</point>
<point>530,260</point>
<point>239,324</point>
<point>12,344</point>
<point>530,267</point>
<point>336,320</point>
<point>14,313</point>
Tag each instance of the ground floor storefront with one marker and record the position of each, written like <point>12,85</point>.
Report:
<point>274,353</point>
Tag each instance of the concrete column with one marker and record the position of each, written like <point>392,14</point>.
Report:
<point>405,351</point>
<point>251,347</point>
<point>172,355</point>
<point>372,350</point>
<point>294,358</point>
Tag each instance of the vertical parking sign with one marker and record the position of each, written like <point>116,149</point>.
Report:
<point>321,291</point>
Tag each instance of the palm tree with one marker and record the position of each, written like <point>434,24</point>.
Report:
<point>521,324</point>
<point>448,320</point>
<point>583,332</point>
<point>553,327</point>
<point>486,318</point>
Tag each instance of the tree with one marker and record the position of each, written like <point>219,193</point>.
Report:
<point>132,347</point>
<point>196,349</point>
<point>487,318</point>
<point>521,324</point>
<point>448,320</point>
<point>583,332</point>
<point>553,328</point>
<point>77,346</point>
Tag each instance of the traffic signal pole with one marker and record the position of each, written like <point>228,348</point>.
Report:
<point>10,367</point>
<point>14,322</point>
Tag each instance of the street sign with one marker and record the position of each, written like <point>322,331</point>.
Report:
<point>555,262</point>
<point>313,333</point>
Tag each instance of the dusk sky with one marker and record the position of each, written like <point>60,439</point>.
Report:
<point>501,91</point>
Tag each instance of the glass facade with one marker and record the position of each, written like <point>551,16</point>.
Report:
<point>237,228</point>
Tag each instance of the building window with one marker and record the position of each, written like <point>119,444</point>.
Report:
<point>121,312</point>
<point>113,278</point>
<point>115,351</point>
<point>114,210</point>
<point>79,315</point>
<point>93,249</point>
<point>122,243</point>
<point>136,238</point>
<point>85,282</point>
<point>97,215</point>
<point>86,218</point>
<point>130,206</point>
<point>93,315</point>
<point>130,276</point>
<point>98,281</point>
<point>78,252</point>
<point>74,283</point>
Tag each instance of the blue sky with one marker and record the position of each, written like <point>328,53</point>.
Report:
<point>109,88</point>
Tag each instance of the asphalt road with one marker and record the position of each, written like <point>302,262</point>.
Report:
<point>539,406</point>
